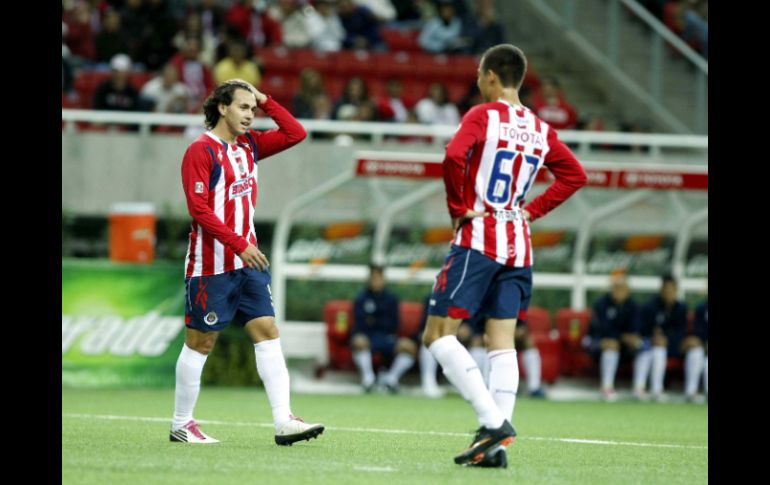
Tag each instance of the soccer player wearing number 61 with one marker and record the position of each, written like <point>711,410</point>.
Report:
<point>489,167</point>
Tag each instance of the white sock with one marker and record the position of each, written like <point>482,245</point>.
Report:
<point>706,375</point>
<point>189,367</point>
<point>428,367</point>
<point>504,380</point>
<point>271,367</point>
<point>609,366</point>
<point>642,363</point>
<point>533,366</point>
<point>659,355</point>
<point>463,373</point>
<point>363,360</point>
<point>402,363</point>
<point>479,354</point>
<point>693,366</point>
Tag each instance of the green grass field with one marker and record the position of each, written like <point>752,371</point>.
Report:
<point>121,436</point>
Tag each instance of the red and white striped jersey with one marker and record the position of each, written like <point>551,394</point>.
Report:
<point>220,184</point>
<point>490,165</point>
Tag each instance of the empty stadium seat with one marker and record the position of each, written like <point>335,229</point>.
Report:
<point>573,326</point>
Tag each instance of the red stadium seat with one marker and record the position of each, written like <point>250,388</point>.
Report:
<point>573,326</point>
<point>277,60</point>
<point>550,358</point>
<point>323,62</point>
<point>338,315</point>
<point>357,63</point>
<point>538,320</point>
<point>401,39</point>
<point>410,318</point>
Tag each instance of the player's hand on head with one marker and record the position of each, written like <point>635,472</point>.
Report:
<point>261,97</point>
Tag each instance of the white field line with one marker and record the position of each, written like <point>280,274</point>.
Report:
<point>388,431</point>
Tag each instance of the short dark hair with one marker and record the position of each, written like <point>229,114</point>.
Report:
<point>508,62</point>
<point>376,268</point>
<point>223,94</point>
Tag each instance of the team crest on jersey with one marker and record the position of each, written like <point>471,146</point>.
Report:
<point>199,187</point>
<point>211,318</point>
<point>240,188</point>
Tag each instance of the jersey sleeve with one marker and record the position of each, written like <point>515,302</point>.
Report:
<point>472,130</point>
<point>569,174</point>
<point>289,131</point>
<point>197,168</point>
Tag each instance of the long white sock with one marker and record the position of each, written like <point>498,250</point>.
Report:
<point>659,355</point>
<point>642,363</point>
<point>189,367</point>
<point>693,366</point>
<point>271,367</point>
<point>533,367</point>
<point>463,373</point>
<point>706,375</point>
<point>608,367</point>
<point>504,380</point>
<point>428,367</point>
<point>402,363</point>
<point>479,354</point>
<point>363,360</point>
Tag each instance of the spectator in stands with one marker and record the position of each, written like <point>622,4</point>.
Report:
<point>237,66</point>
<point>362,30</point>
<point>436,109</point>
<point>391,107</point>
<point>192,72</point>
<point>355,105</point>
<point>212,18</point>
<point>80,37</point>
<point>383,10</point>
<point>254,24</point>
<point>325,27</point>
<point>489,31</point>
<point>293,23</point>
<point>117,93</point>
<point>695,348</point>
<point>310,88</point>
<point>471,98</point>
<point>409,13</point>
<point>375,328</point>
<point>323,109</point>
<point>551,106</point>
<point>612,333</point>
<point>696,26</point>
<point>156,46</point>
<point>165,93</point>
<point>663,323</point>
<point>443,33</point>
<point>67,69</point>
<point>111,40</point>
<point>133,21</point>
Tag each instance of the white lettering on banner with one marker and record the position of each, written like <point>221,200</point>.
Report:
<point>509,133</point>
<point>390,168</point>
<point>653,179</point>
<point>596,177</point>
<point>148,335</point>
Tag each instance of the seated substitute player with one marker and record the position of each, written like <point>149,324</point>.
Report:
<point>662,325</point>
<point>227,279</point>
<point>375,328</point>
<point>612,333</point>
<point>695,348</point>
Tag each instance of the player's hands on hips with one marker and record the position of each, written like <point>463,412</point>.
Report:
<point>261,97</point>
<point>253,258</point>
<point>469,214</point>
<point>527,215</point>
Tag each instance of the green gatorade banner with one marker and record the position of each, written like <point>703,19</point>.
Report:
<point>122,324</point>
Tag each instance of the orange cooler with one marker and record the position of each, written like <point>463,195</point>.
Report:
<point>132,232</point>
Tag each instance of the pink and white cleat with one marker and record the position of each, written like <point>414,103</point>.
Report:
<point>190,433</point>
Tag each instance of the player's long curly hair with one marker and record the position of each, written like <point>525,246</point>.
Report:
<point>223,94</point>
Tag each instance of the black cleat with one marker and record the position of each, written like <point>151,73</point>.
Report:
<point>494,459</point>
<point>297,430</point>
<point>485,441</point>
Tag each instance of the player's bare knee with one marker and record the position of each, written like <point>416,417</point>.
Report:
<point>407,346</point>
<point>609,344</point>
<point>359,342</point>
<point>659,341</point>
